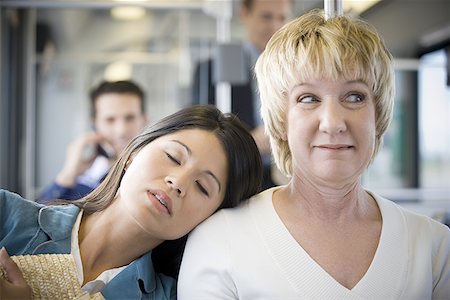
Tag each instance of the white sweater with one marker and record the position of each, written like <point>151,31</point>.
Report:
<point>247,253</point>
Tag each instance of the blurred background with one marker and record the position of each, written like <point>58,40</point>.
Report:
<point>53,52</point>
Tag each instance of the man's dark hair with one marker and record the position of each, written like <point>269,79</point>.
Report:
<point>247,3</point>
<point>116,87</point>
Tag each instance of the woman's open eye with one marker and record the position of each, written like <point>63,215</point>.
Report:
<point>355,98</point>
<point>172,158</point>
<point>307,99</point>
<point>202,188</point>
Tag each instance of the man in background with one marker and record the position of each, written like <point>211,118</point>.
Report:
<point>261,19</point>
<point>118,114</point>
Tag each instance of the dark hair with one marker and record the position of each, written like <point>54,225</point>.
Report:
<point>248,4</point>
<point>244,172</point>
<point>116,87</point>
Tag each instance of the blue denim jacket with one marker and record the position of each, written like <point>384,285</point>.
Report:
<point>27,227</point>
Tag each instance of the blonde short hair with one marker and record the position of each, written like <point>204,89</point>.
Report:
<point>312,47</point>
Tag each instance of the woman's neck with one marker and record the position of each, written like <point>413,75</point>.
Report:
<point>333,204</point>
<point>107,240</point>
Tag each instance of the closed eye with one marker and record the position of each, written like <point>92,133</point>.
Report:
<point>173,159</point>
<point>202,189</point>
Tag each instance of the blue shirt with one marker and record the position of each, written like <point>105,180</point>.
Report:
<point>84,184</point>
<point>55,191</point>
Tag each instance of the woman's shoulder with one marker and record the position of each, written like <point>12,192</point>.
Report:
<point>258,201</point>
<point>240,216</point>
<point>10,201</point>
<point>415,222</point>
<point>6,195</point>
<point>16,211</point>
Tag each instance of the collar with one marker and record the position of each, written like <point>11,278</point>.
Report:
<point>57,221</point>
<point>145,272</point>
<point>139,273</point>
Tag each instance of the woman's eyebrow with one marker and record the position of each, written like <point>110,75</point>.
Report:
<point>356,81</point>
<point>184,146</point>
<point>208,172</point>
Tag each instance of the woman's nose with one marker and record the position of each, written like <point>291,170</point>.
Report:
<point>332,118</point>
<point>178,184</point>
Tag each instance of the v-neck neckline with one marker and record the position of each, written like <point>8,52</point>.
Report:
<point>296,262</point>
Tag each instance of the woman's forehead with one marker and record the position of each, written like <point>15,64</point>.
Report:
<point>348,77</point>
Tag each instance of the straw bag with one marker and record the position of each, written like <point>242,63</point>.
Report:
<point>51,276</point>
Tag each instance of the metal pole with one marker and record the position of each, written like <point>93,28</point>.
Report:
<point>29,167</point>
<point>223,89</point>
<point>332,8</point>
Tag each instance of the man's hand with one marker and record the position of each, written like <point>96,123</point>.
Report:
<point>13,286</point>
<point>79,157</point>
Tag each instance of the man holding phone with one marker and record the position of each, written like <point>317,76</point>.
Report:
<point>118,114</point>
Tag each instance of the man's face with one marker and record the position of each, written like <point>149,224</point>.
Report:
<point>264,18</point>
<point>118,118</point>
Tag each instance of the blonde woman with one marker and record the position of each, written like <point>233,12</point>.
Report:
<point>327,91</point>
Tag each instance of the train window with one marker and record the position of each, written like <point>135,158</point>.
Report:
<point>416,151</point>
<point>390,170</point>
<point>434,121</point>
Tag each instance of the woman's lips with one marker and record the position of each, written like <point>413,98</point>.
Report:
<point>335,146</point>
<point>161,201</point>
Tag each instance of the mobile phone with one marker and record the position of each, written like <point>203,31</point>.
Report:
<point>102,152</point>
<point>89,152</point>
<point>92,151</point>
